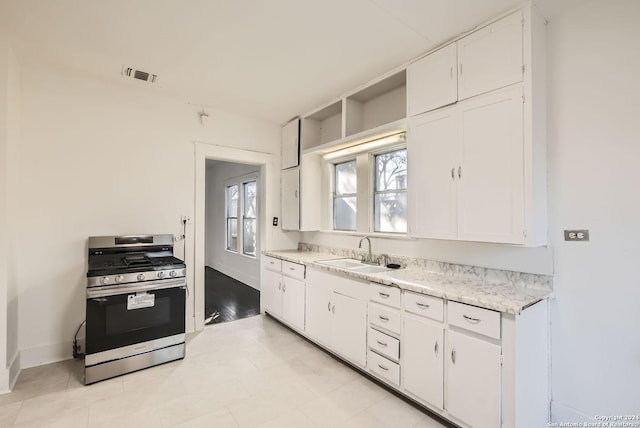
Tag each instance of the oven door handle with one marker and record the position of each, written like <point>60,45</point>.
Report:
<point>115,290</point>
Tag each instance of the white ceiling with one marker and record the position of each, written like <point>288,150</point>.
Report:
<point>268,58</point>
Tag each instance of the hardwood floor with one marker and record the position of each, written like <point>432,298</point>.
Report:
<point>228,297</point>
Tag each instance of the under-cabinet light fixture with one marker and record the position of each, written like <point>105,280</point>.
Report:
<point>369,145</point>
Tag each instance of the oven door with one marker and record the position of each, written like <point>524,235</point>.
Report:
<point>123,316</point>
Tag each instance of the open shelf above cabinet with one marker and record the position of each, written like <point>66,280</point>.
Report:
<point>323,126</point>
<point>378,104</point>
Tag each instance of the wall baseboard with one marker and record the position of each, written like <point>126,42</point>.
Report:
<point>562,413</point>
<point>9,376</point>
<point>241,276</point>
<point>47,354</point>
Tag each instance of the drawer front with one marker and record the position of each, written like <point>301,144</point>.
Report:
<point>386,318</point>
<point>271,263</point>
<point>384,368</point>
<point>384,294</point>
<point>423,305</point>
<point>478,320</point>
<point>294,270</point>
<point>384,344</point>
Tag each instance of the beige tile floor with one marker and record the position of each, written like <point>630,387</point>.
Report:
<point>243,374</point>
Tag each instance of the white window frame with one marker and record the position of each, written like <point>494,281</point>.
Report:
<point>374,192</point>
<point>240,182</point>
<point>342,195</point>
<point>365,196</point>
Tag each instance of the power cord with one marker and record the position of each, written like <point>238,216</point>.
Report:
<point>76,348</point>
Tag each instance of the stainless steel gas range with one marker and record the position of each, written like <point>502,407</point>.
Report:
<point>135,305</point>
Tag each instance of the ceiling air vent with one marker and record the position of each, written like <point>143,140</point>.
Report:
<point>139,74</point>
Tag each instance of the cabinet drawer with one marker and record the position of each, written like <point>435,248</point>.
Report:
<point>271,263</point>
<point>386,318</point>
<point>384,344</point>
<point>426,306</point>
<point>472,318</point>
<point>294,270</point>
<point>384,368</point>
<point>384,294</point>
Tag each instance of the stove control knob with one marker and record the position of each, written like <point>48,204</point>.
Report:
<point>173,274</point>
<point>141,277</point>
<point>104,280</point>
<point>119,278</point>
<point>161,275</point>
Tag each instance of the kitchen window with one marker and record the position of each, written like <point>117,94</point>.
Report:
<point>369,186</point>
<point>242,216</point>
<point>390,194</point>
<point>232,218</point>
<point>345,196</point>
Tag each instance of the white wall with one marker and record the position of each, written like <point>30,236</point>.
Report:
<point>9,131</point>
<point>594,150</point>
<point>242,268</point>
<point>101,159</point>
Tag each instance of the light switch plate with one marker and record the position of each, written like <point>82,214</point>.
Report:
<point>576,235</point>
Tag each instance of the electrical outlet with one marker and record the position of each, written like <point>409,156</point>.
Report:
<point>275,221</point>
<point>185,218</point>
<point>580,235</point>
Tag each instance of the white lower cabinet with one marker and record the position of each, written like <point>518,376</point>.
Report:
<point>293,302</point>
<point>349,328</point>
<point>474,380</point>
<point>336,309</point>
<point>318,309</point>
<point>422,359</point>
<point>271,292</point>
<point>283,291</point>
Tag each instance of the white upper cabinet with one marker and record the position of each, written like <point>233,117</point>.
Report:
<point>432,81</point>
<point>290,198</point>
<point>433,158</point>
<point>291,144</point>
<point>491,57</point>
<point>469,161</point>
<point>491,175</point>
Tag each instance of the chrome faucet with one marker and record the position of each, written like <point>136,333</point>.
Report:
<point>368,259</point>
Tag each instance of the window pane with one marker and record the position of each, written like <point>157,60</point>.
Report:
<point>249,237</point>
<point>232,201</point>
<point>391,212</point>
<point>346,178</point>
<point>391,170</point>
<point>232,234</point>
<point>344,213</point>
<point>250,208</point>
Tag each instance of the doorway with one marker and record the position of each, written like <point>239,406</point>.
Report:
<point>268,181</point>
<point>232,223</point>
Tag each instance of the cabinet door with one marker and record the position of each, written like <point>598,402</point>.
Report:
<point>290,144</point>
<point>318,308</point>
<point>271,292</point>
<point>422,359</point>
<point>290,199</point>
<point>433,152</point>
<point>491,187</point>
<point>293,302</point>
<point>474,379</point>
<point>491,57</point>
<point>349,328</point>
<point>432,81</point>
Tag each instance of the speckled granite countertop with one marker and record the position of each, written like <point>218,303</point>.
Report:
<point>503,296</point>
